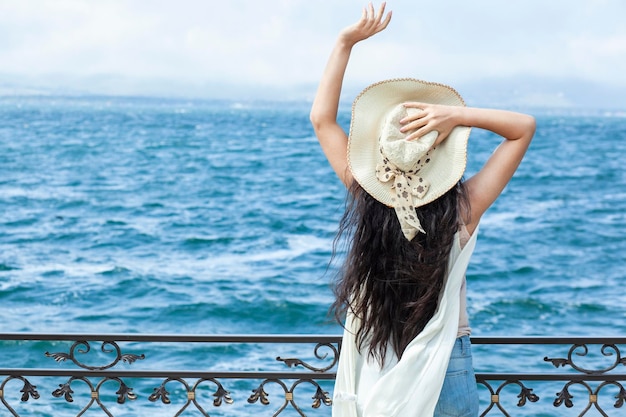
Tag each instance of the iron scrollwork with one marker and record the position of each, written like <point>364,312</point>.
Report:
<point>221,395</point>
<point>293,362</point>
<point>564,397</point>
<point>83,347</point>
<point>123,393</point>
<point>320,397</point>
<point>526,394</point>
<point>582,350</point>
<point>28,391</point>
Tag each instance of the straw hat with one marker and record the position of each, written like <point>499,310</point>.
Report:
<point>399,173</point>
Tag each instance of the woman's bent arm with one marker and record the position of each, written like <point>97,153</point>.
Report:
<point>486,185</point>
<point>330,134</point>
<point>516,128</point>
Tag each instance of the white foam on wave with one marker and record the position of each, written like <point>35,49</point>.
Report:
<point>35,271</point>
<point>216,265</point>
<point>41,193</point>
<point>529,209</point>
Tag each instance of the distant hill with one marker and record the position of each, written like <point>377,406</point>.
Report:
<point>522,92</point>
<point>543,92</point>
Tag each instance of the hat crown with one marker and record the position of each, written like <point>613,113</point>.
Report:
<point>405,154</point>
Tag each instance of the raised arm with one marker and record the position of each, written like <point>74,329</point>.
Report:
<point>323,115</point>
<point>517,129</point>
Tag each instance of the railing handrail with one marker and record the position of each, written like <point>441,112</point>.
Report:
<point>168,373</point>
<point>492,376</point>
<point>545,340</point>
<point>289,338</point>
<point>154,337</point>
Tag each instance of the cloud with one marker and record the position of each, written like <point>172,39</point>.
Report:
<point>200,46</point>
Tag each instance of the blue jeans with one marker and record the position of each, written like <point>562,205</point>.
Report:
<point>459,395</point>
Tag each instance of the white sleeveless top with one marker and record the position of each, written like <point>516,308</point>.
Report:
<point>408,387</point>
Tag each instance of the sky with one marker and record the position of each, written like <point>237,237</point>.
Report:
<point>559,52</point>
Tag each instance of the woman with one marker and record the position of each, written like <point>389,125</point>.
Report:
<point>412,224</point>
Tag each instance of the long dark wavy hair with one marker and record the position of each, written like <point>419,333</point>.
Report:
<point>390,283</point>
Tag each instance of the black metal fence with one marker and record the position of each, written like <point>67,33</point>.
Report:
<point>139,374</point>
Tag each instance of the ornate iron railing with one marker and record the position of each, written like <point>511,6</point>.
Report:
<point>119,372</point>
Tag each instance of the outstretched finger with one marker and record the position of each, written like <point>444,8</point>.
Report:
<point>372,12</point>
<point>410,121</point>
<point>367,18</point>
<point>415,105</point>
<point>379,23</point>
<point>364,14</point>
<point>381,14</point>
<point>412,124</point>
<point>419,133</point>
<point>368,12</point>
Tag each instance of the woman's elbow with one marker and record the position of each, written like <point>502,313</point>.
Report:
<point>527,126</point>
<point>531,125</point>
<point>314,119</point>
<point>319,121</point>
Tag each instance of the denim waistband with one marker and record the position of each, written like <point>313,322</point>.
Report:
<point>462,346</point>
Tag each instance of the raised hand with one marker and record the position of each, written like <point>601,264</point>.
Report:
<point>371,23</point>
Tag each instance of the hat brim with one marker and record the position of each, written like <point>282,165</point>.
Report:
<point>448,159</point>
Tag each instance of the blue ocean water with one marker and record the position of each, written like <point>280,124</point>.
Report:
<point>187,216</point>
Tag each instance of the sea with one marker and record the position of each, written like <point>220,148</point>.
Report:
<point>185,216</point>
